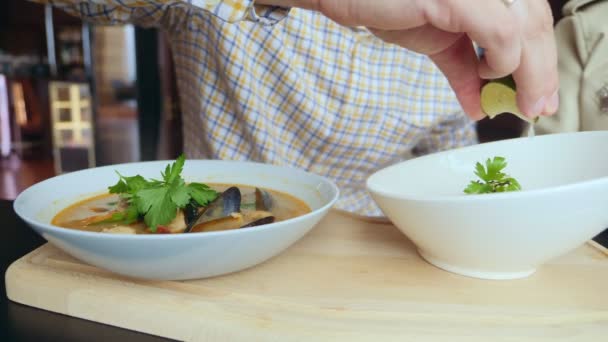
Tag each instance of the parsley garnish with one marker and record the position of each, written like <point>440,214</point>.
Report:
<point>494,180</point>
<point>157,201</point>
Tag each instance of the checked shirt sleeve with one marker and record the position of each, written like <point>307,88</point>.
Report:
<point>149,13</point>
<point>456,130</point>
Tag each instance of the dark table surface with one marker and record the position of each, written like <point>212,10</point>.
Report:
<point>22,323</point>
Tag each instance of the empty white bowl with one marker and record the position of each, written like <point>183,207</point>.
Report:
<point>176,256</point>
<point>564,203</point>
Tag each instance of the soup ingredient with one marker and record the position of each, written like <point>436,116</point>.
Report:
<point>119,230</point>
<point>225,212</point>
<point>136,205</point>
<point>158,201</point>
<point>493,179</point>
<point>258,206</point>
<point>500,96</point>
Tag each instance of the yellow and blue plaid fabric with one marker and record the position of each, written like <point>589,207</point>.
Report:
<point>291,87</point>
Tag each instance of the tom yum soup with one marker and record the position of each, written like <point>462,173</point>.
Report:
<point>136,205</point>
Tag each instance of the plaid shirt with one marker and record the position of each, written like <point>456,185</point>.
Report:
<point>291,87</point>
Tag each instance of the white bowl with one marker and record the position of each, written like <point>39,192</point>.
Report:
<point>564,203</point>
<point>178,256</point>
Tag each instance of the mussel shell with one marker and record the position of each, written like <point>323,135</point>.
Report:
<point>191,212</point>
<point>226,203</point>
<point>263,200</point>
<point>259,222</point>
<point>223,223</point>
<point>230,200</point>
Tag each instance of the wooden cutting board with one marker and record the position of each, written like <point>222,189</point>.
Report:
<point>347,280</point>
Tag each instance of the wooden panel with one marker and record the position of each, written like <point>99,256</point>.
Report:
<point>346,280</point>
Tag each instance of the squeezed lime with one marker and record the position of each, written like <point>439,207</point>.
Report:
<point>500,96</point>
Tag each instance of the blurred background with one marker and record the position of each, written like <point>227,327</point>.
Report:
<point>74,95</point>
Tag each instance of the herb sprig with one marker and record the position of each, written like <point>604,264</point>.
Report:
<point>157,201</point>
<point>493,179</point>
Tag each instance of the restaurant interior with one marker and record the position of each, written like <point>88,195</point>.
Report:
<point>75,96</point>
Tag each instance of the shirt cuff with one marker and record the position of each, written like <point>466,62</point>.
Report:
<point>267,15</point>
<point>242,10</point>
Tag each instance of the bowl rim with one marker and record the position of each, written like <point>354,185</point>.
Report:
<point>513,195</point>
<point>152,237</point>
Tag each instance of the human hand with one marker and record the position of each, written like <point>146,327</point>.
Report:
<point>517,38</point>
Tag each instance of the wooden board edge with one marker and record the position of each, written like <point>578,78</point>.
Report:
<point>12,272</point>
<point>16,293</point>
<point>596,245</point>
<point>26,268</point>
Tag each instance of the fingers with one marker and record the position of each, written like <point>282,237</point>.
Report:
<point>489,23</point>
<point>517,39</point>
<point>537,76</point>
<point>500,62</point>
<point>425,39</point>
<point>459,64</point>
<point>384,15</point>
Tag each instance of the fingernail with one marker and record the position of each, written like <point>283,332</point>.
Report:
<point>552,104</point>
<point>535,110</point>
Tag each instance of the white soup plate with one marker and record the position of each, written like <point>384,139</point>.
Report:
<point>563,204</point>
<point>176,256</point>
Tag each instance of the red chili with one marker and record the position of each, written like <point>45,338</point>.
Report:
<point>162,230</point>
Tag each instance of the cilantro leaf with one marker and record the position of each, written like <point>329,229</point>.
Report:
<point>159,200</point>
<point>201,193</point>
<point>513,185</point>
<point>128,185</point>
<point>131,215</point>
<point>477,187</point>
<point>480,171</point>
<point>156,206</point>
<point>135,183</point>
<point>128,216</point>
<point>118,188</point>
<point>179,194</point>
<point>494,166</point>
<point>494,180</point>
<point>172,172</point>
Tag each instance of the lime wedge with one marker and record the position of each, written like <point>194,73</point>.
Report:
<point>500,96</point>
